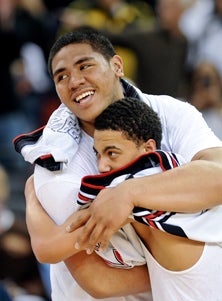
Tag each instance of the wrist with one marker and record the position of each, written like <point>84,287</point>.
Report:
<point>134,191</point>
<point>129,193</point>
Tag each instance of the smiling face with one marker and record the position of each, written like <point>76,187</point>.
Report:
<point>114,150</point>
<point>86,82</point>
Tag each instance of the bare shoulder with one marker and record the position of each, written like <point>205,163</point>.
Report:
<point>213,154</point>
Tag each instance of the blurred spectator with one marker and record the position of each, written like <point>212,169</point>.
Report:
<point>116,16</point>
<point>202,26</point>
<point>161,52</point>
<point>10,116</point>
<point>21,93</point>
<point>112,17</point>
<point>6,215</point>
<point>20,273</point>
<point>19,270</point>
<point>25,85</point>
<point>206,94</point>
<point>32,83</point>
<point>4,296</point>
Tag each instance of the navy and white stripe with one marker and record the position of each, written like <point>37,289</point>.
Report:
<point>200,226</point>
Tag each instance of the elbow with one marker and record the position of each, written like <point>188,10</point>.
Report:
<point>100,290</point>
<point>42,253</point>
<point>99,293</point>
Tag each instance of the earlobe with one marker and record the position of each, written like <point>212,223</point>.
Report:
<point>117,65</point>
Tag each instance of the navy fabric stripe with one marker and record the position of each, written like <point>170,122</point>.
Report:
<point>27,139</point>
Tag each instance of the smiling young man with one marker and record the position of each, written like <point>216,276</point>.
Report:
<point>88,76</point>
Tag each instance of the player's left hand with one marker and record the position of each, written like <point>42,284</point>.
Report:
<point>107,214</point>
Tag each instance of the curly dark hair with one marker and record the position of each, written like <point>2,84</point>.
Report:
<point>83,35</point>
<point>134,118</point>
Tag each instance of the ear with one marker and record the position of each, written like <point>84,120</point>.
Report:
<point>117,65</point>
<point>149,146</point>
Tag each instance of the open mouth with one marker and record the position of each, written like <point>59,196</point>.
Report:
<point>84,96</point>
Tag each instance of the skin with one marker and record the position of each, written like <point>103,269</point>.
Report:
<point>113,151</point>
<point>79,70</point>
<point>46,236</point>
<point>86,86</point>
<point>107,214</point>
<point>101,79</point>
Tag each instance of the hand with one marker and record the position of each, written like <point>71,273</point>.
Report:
<point>107,214</point>
<point>80,218</point>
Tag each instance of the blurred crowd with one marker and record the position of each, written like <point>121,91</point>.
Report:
<point>168,47</point>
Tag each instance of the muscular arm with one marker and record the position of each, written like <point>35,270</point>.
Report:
<point>191,187</point>
<point>46,236</point>
<point>188,188</point>
<point>102,281</point>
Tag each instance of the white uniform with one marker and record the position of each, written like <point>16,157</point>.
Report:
<point>166,284</point>
<point>58,190</point>
<point>62,188</point>
<point>199,226</point>
<point>200,282</point>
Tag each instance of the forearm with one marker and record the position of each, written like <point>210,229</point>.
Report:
<point>102,281</point>
<point>188,188</point>
<point>50,242</point>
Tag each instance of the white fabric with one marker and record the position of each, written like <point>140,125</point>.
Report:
<point>194,19</point>
<point>57,190</point>
<point>200,282</point>
<point>203,30</point>
<point>124,249</point>
<point>35,67</point>
<point>62,129</point>
<point>191,136</point>
<point>199,226</point>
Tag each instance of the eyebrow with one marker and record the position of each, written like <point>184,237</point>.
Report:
<point>107,148</point>
<point>80,61</point>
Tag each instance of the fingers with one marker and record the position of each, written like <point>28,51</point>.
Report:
<point>77,220</point>
<point>92,235</point>
<point>95,237</point>
<point>88,235</point>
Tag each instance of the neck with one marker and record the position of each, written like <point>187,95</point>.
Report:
<point>87,127</point>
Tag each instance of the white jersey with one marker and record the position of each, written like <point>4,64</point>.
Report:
<point>62,189</point>
<point>57,190</point>
<point>201,226</point>
<point>200,282</point>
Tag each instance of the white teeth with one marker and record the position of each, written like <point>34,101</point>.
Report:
<point>78,98</point>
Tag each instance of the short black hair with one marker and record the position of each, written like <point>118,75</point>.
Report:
<point>84,34</point>
<point>134,118</point>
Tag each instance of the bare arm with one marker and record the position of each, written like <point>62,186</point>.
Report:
<point>102,281</point>
<point>188,188</point>
<point>46,236</point>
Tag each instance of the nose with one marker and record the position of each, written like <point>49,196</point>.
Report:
<point>103,165</point>
<point>76,79</point>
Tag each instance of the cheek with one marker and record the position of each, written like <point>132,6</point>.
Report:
<point>128,157</point>
<point>59,91</point>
